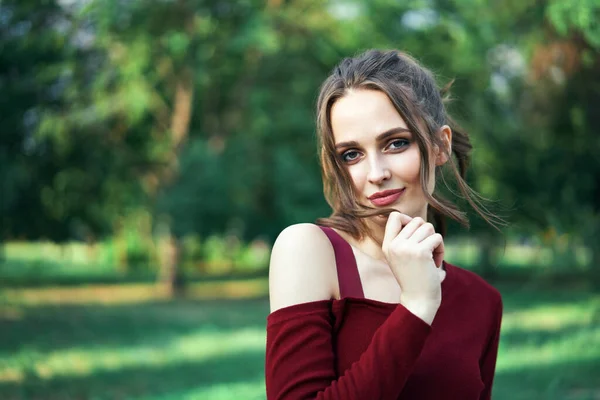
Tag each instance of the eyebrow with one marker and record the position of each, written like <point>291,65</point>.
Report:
<point>380,138</point>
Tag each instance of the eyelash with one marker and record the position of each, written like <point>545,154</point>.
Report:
<point>406,143</point>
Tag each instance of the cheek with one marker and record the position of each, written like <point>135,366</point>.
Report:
<point>411,166</point>
<point>357,175</point>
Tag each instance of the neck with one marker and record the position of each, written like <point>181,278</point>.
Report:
<point>372,242</point>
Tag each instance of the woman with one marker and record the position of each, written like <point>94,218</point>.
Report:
<point>363,305</point>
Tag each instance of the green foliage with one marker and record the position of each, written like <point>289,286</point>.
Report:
<point>253,257</point>
<point>216,250</point>
<point>192,252</point>
<point>580,16</point>
<point>134,255</point>
<point>93,129</point>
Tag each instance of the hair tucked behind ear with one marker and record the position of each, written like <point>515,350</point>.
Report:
<point>412,90</point>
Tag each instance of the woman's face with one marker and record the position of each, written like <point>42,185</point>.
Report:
<point>380,153</point>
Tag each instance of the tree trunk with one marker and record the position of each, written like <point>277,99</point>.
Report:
<point>169,276</point>
<point>488,257</point>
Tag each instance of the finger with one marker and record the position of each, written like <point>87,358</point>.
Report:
<point>393,226</point>
<point>411,227</point>
<point>422,232</point>
<point>438,255</point>
<point>435,244</point>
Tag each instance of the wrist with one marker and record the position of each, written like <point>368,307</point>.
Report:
<point>423,309</point>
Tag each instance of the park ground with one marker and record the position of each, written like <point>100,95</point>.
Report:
<point>128,342</point>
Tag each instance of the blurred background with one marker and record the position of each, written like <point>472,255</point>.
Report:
<point>151,151</point>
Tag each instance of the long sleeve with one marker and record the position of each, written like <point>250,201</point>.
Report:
<point>488,361</point>
<point>300,358</point>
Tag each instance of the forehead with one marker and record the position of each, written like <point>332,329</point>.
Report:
<point>361,115</point>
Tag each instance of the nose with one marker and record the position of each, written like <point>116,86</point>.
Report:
<point>378,171</point>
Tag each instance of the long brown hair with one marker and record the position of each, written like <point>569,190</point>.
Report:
<point>413,92</point>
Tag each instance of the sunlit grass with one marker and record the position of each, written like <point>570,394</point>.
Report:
<point>581,345</point>
<point>199,349</point>
<point>550,346</point>
<point>224,391</point>
<point>82,361</point>
<point>131,293</point>
<point>553,317</point>
<point>155,350</point>
<point>90,294</point>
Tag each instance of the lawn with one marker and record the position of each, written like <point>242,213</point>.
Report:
<point>124,343</point>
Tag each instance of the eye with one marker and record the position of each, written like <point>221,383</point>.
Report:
<point>350,155</point>
<point>398,144</point>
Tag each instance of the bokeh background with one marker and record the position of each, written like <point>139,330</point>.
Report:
<point>151,151</point>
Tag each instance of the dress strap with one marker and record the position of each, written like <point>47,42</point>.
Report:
<point>345,263</point>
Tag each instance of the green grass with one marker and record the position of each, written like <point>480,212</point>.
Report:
<point>550,345</point>
<point>149,348</point>
<point>154,350</point>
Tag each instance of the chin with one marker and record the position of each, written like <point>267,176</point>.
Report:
<point>381,220</point>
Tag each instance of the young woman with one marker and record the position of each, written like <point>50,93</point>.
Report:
<point>362,305</point>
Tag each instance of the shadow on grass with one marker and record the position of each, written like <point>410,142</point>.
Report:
<point>51,328</point>
<point>559,381</point>
<point>139,381</point>
<point>529,295</point>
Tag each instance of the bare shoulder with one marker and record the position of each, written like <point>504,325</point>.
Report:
<point>302,267</point>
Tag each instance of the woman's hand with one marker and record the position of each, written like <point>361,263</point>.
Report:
<point>413,251</point>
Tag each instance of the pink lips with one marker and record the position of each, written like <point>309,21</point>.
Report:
<point>386,197</point>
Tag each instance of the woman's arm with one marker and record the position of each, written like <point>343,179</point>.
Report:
<point>302,267</point>
<point>300,362</point>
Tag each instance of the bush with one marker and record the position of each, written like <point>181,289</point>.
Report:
<point>192,253</point>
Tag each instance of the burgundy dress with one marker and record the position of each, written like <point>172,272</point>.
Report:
<point>361,349</point>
